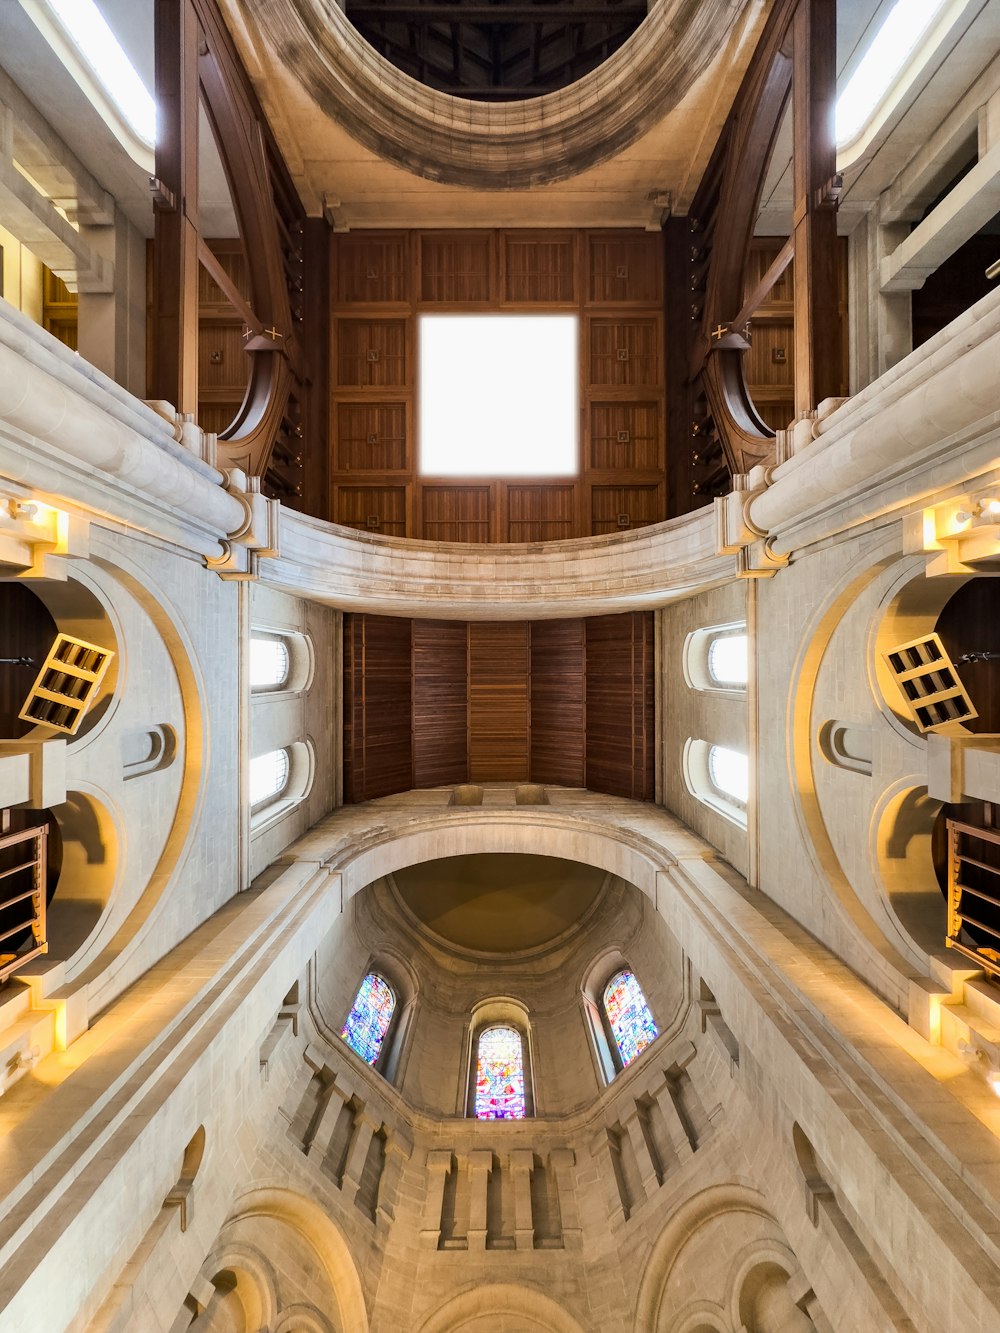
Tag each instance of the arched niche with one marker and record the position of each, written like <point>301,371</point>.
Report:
<point>482,1308</point>
<point>90,861</point>
<point>902,830</point>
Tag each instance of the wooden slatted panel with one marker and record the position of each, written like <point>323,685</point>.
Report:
<point>623,353</point>
<point>625,270</point>
<point>456,513</point>
<point>371,353</point>
<point>540,513</point>
<point>624,436</point>
<point>371,268</point>
<point>558,702</point>
<point>371,437</point>
<point>371,508</point>
<point>620,726</point>
<point>539,268</point>
<point>440,702</point>
<point>619,508</point>
<point>378,743</point>
<point>498,702</point>
<point>456,269</point>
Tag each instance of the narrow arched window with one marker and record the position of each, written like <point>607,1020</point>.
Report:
<point>268,776</point>
<point>727,660</point>
<point>729,773</point>
<point>369,1019</point>
<point>628,1016</point>
<point>270,663</point>
<point>499,1075</point>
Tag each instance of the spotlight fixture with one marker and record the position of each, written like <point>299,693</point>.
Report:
<point>67,684</point>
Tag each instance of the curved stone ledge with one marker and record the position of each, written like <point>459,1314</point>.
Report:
<point>76,415</point>
<point>946,393</point>
<point>629,571</point>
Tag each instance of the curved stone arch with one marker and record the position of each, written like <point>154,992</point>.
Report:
<point>694,1213</point>
<point>772,1254</point>
<point>622,852</point>
<point>496,145</point>
<point>243,1260</point>
<point>323,1236</point>
<point>538,1312</point>
<point>301,1319</point>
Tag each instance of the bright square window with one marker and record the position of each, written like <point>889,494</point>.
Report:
<point>498,395</point>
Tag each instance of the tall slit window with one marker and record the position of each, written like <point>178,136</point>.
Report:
<point>729,773</point>
<point>269,663</point>
<point>369,1019</point>
<point>268,776</point>
<point>629,1016</point>
<point>499,1075</point>
<point>727,660</point>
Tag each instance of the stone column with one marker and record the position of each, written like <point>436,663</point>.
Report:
<point>438,1166</point>
<point>480,1166</point>
<point>521,1162</point>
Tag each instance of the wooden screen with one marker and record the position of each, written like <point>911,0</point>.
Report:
<point>381,282</point>
<point>430,702</point>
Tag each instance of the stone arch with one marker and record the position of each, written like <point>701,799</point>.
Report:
<point>324,1238</point>
<point>715,1202</point>
<point>538,1313</point>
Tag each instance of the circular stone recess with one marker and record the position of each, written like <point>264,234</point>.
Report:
<point>499,902</point>
<point>493,145</point>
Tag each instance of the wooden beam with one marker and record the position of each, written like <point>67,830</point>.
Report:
<point>814,216</point>
<point>759,294</point>
<point>173,371</point>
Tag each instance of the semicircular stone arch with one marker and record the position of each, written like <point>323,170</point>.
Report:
<point>479,1309</point>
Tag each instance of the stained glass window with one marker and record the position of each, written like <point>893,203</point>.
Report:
<point>628,1013</point>
<point>369,1019</point>
<point>500,1075</point>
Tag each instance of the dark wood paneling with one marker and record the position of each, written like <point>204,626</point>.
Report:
<point>371,353</point>
<point>373,269</point>
<point>558,702</point>
<point>371,437</point>
<point>378,738</point>
<point>625,437</point>
<point>624,269</point>
<point>440,702</point>
<point>969,624</point>
<point>456,513</point>
<point>623,353</point>
<point>619,508</point>
<point>371,508</point>
<point>540,513</point>
<point>538,268</point>
<point>610,280</point>
<point>620,724</point>
<point>456,268</point>
<point>498,702</point>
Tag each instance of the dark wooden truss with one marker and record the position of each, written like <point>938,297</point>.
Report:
<point>496,51</point>
<point>714,429</point>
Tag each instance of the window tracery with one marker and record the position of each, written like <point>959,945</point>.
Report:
<point>628,1015</point>
<point>500,1084</point>
<point>369,1018</point>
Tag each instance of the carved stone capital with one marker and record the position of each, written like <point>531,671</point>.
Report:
<point>736,532</point>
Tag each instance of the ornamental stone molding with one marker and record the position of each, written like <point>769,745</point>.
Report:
<point>487,145</point>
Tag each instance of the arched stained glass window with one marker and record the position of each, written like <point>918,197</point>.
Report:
<point>268,776</point>
<point>628,1014</point>
<point>269,663</point>
<point>370,1016</point>
<point>499,1075</point>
